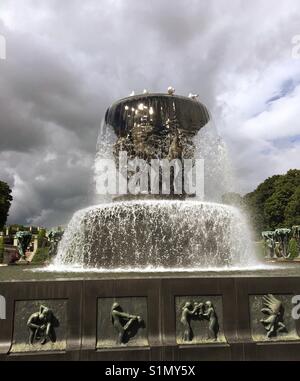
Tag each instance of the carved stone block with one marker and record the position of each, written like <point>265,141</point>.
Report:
<point>122,322</point>
<point>199,319</point>
<point>271,318</point>
<point>40,325</point>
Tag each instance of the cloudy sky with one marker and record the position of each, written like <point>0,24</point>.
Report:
<point>66,61</point>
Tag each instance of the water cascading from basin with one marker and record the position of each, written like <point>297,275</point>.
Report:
<point>157,234</point>
<point>165,232</point>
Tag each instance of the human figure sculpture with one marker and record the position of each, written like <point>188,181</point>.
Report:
<point>273,323</point>
<point>24,239</point>
<point>296,235</point>
<point>213,324</point>
<point>282,236</point>
<point>278,250</point>
<point>175,149</point>
<point>124,322</point>
<point>41,325</point>
<point>269,238</point>
<point>199,309</point>
<point>296,232</point>
<point>189,311</point>
<point>54,237</point>
<point>271,247</point>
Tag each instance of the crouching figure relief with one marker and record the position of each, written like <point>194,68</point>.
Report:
<point>125,324</point>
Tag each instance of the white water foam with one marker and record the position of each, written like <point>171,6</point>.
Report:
<point>156,235</point>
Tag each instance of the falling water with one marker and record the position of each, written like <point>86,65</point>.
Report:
<point>157,234</point>
<point>218,173</point>
<point>162,234</point>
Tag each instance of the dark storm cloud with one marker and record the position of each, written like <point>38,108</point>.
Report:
<point>68,60</point>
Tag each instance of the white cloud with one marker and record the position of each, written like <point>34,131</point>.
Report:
<point>67,61</point>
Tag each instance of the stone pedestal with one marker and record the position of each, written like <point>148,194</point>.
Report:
<point>84,309</point>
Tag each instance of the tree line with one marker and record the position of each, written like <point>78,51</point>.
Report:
<point>275,203</point>
<point>5,202</point>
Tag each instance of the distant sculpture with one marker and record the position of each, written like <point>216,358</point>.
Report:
<point>273,323</point>
<point>278,250</point>
<point>199,311</point>
<point>277,243</point>
<point>41,325</point>
<point>125,324</point>
<point>24,239</point>
<point>213,324</point>
<point>283,236</point>
<point>54,237</point>
<point>296,235</point>
<point>296,232</point>
<point>269,238</point>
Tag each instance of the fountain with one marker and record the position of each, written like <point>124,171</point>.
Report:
<point>156,271</point>
<point>169,229</point>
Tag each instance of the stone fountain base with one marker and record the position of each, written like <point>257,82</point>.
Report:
<point>84,330</point>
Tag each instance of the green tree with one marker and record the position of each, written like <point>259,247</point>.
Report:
<point>41,255</point>
<point>275,202</point>
<point>255,202</point>
<point>41,238</point>
<point>5,202</point>
<point>292,210</point>
<point>1,249</point>
<point>293,249</point>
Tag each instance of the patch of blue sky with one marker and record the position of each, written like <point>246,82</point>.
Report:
<point>286,88</point>
<point>285,142</point>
